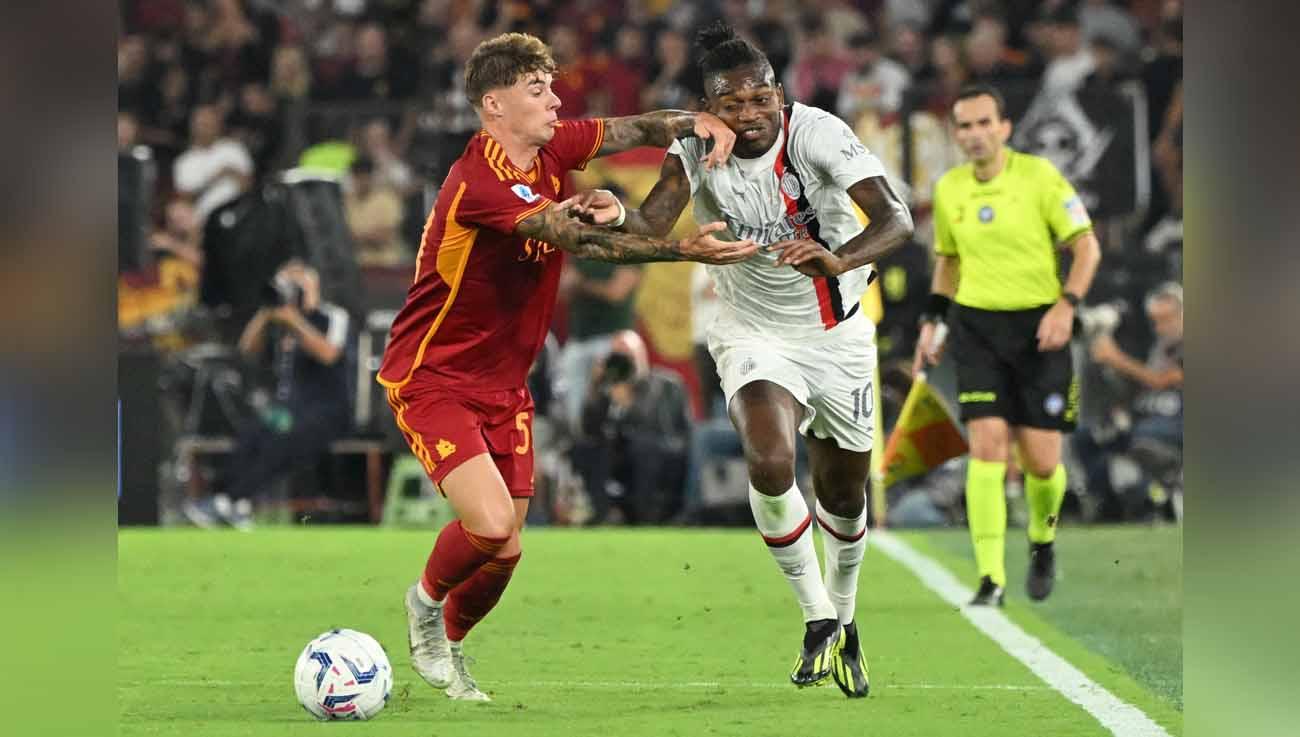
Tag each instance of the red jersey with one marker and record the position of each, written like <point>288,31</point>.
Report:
<point>481,303</point>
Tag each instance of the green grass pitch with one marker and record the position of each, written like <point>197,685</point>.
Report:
<point>621,632</point>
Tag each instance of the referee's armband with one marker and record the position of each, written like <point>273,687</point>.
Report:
<point>936,309</point>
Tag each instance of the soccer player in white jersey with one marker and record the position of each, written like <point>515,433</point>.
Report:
<point>794,351</point>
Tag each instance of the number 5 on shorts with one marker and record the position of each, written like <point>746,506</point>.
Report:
<point>521,422</point>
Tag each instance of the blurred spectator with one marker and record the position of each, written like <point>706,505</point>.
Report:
<point>674,77</point>
<point>908,47</point>
<point>600,297</point>
<point>290,73</point>
<point>1109,66</point>
<point>128,131</point>
<point>631,450</point>
<point>259,123</point>
<point>180,236</point>
<point>378,72</point>
<point>135,90</point>
<point>238,43</point>
<point>820,66</point>
<point>1144,468</point>
<point>446,121</point>
<point>573,81</point>
<point>772,35</point>
<point>390,170</point>
<point>987,55</point>
<point>1105,18</point>
<point>374,213</point>
<point>621,75</point>
<point>1069,60</point>
<point>309,404</point>
<point>945,76</point>
<point>167,121</point>
<point>214,169</point>
<point>876,83</point>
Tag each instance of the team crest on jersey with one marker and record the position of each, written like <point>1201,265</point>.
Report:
<point>524,193</point>
<point>790,185</point>
<point>986,214</point>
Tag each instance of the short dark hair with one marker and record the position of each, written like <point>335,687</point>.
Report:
<point>979,90</point>
<point>501,61</point>
<point>722,50</point>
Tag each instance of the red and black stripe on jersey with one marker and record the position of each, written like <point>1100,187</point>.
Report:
<point>829,299</point>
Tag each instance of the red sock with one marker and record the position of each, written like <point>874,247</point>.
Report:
<point>472,600</point>
<point>455,557</point>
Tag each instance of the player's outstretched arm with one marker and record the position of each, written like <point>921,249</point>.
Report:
<point>657,215</point>
<point>556,226</point>
<point>662,127</point>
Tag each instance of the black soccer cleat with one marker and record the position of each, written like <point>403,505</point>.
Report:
<point>1042,571</point>
<point>849,667</point>
<point>989,594</point>
<point>822,641</point>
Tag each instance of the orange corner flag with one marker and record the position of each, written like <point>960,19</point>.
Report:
<point>924,437</point>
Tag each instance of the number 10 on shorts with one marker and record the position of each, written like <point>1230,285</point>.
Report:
<point>862,402</point>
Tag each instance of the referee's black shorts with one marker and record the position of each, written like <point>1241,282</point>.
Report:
<point>1001,373</point>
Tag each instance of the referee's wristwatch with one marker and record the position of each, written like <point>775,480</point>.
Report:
<point>1072,298</point>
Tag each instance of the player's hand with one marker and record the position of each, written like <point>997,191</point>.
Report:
<point>1056,326</point>
<point>808,257</point>
<point>593,206</point>
<point>708,125</point>
<point>706,249</point>
<point>929,347</point>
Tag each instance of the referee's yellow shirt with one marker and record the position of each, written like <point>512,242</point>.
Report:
<point>1005,231</point>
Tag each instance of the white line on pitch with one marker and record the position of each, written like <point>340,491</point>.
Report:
<point>1121,718</point>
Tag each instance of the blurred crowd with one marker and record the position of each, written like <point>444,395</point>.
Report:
<point>218,98</point>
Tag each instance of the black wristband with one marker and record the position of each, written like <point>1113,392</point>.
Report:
<point>936,309</point>
<point>1071,297</point>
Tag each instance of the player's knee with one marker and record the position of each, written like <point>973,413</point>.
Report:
<point>771,472</point>
<point>496,527</point>
<point>843,497</point>
<point>1040,467</point>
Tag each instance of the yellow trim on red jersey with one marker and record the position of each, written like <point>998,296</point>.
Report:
<point>533,210</point>
<point>491,151</point>
<point>462,241</point>
<point>414,439</point>
<point>600,140</point>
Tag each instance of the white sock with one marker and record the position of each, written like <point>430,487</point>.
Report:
<point>786,527</point>
<point>424,597</point>
<point>844,541</point>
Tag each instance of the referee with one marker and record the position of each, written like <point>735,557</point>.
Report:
<point>998,221</point>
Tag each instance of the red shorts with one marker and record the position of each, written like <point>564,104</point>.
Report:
<point>446,427</point>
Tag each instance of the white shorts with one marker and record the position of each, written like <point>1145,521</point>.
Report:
<point>831,378</point>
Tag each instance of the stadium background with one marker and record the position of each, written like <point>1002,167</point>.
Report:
<point>305,88</point>
<point>300,84</point>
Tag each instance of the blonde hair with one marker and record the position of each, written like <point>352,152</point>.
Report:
<point>501,61</point>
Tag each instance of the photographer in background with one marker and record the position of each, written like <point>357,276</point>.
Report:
<point>633,435</point>
<point>1155,441</point>
<point>308,407</point>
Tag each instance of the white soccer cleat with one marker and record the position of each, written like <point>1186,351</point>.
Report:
<point>430,651</point>
<point>463,687</point>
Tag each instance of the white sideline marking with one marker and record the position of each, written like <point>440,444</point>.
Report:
<point>625,685</point>
<point>1121,718</point>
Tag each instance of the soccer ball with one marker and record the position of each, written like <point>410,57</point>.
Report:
<point>343,674</point>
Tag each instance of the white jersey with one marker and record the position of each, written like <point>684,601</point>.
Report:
<point>823,159</point>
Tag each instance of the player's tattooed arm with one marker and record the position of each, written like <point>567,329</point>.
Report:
<point>662,127</point>
<point>556,226</point>
<point>889,228</point>
<point>661,208</point>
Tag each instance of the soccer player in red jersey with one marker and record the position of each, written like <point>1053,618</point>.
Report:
<point>477,313</point>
